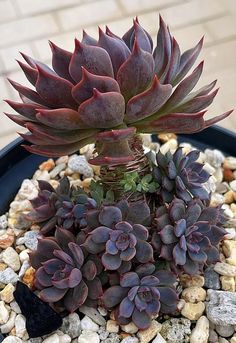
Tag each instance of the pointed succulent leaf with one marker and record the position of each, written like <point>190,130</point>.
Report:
<point>61,61</point>
<point>88,40</point>
<point>77,254</point>
<point>28,93</point>
<point>141,37</point>
<point>30,73</point>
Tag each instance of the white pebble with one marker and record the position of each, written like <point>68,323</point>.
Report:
<point>57,170</point>
<point>88,337</point>
<point>130,340</point>
<point>8,276</point>
<point>11,258</point>
<point>64,338</point>
<point>88,324</point>
<point>79,164</point>
<point>233,185</point>
<point>28,190</point>
<point>23,269</point>
<point>4,313</point>
<point>24,255</point>
<point>171,145</point>
<point>12,339</point>
<point>15,307</point>
<point>200,333</point>
<point>230,162</point>
<point>41,175</point>
<point>159,339</point>
<point>9,325</point>
<point>3,222</point>
<point>214,157</point>
<point>211,170</point>
<point>20,327</point>
<point>52,339</point>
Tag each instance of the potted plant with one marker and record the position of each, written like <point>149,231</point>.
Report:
<point>147,220</point>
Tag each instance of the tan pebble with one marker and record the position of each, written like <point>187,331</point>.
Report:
<point>147,335</point>
<point>200,333</point>
<point>47,165</point>
<point>180,305</point>
<point>62,159</point>
<point>229,250</point>
<point>194,294</point>
<point>13,332</point>
<point>190,281</point>
<point>54,183</point>
<point>123,335</point>
<point>225,269</point>
<point>75,176</point>
<point>7,239</point>
<point>230,162</point>
<point>76,183</point>
<point>193,311</point>
<point>228,175</point>
<point>86,182</point>
<point>6,294</point>
<point>165,137</point>
<point>228,283</point>
<point>3,266</point>
<point>41,175</point>
<point>28,277</point>
<point>229,197</point>
<point>233,340</point>
<point>130,328</point>
<point>171,145</point>
<point>96,169</point>
<point>112,326</point>
<point>112,315</point>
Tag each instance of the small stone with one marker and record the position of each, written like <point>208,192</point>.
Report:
<point>233,339</point>
<point>102,311</point>
<point>93,314</point>
<point>147,335</point>
<point>62,159</point>
<point>214,157</point>
<point>231,234</point>
<point>3,222</point>
<point>211,170</point>
<point>230,162</point>
<point>229,197</point>
<point>229,250</point>
<point>6,294</point>
<point>171,145</point>
<point>228,174</point>
<point>190,281</point>
<point>112,326</point>
<point>228,283</point>
<point>176,330</point>
<point>24,255</point>
<point>41,175</point>
<point>20,323</point>
<point>52,339</point>
<point>88,337</point>
<point>165,137</point>
<point>218,175</point>
<point>12,339</point>
<point>64,338</point>
<point>221,307</point>
<point>53,173</point>
<point>194,294</point>
<point>11,258</point>
<point>193,311</point>
<point>159,339</point>
<point>200,333</point>
<point>47,165</point>
<point>130,340</point>
<point>9,325</point>
<point>232,185</point>
<point>79,164</point>
<point>217,199</point>
<point>222,187</point>
<point>86,182</point>
<point>8,276</point>
<point>130,328</point>
<point>87,151</point>
<point>25,265</point>
<point>4,313</point>
<point>15,307</point>
<point>28,277</point>
<point>212,279</point>
<point>213,337</point>
<point>223,340</point>
<point>28,190</point>
<point>103,334</point>
<point>71,325</point>
<point>225,269</point>
<point>31,239</point>
<point>7,239</point>
<point>225,331</point>
<point>88,324</point>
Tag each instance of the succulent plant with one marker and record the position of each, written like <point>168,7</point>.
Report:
<point>180,175</point>
<point>58,207</point>
<point>106,90</point>
<point>118,240</point>
<point>63,275</point>
<point>187,235</point>
<point>139,298</point>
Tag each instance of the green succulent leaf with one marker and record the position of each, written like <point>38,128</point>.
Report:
<point>97,192</point>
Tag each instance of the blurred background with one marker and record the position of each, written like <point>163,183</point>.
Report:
<point>26,25</point>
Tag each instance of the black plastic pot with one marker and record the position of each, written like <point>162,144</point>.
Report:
<point>16,164</point>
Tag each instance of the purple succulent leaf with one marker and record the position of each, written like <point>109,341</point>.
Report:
<point>52,265</point>
<point>101,234</point>
<point>136,73</point>
<point>183,243</point>
<point>111,248</point>
<point>88,40</point>
<point>60,283</point>
<point>125,267</point>
<point>145,269</point>
<point>168,296</point>
<point>133,292</point>
<point>116,48</point>
<point>177,210</point>
<point>129,279</point>
<point>141,37</point>
<point>76,297</point>
<point>139,212</point>
<point>124,226</point>
<point>92,247</point>
<point>77,254</point>
<point>52,294</point>
<point>148,102</point>
<point>126,308</point>
<point>204,244</point>
<point>140,304</point>
<point>63,256</point>
<point>213,255</point>
<point>122,241</point>
<point>43,278</point>
<point>144,252</point>
<point>64,237</point>
<point>114,295</point>
<point>111,262</point>
<point>141,319</point>
<point>26,110</point>
<point>103,110</point>
<point>165,277</point>
<point>172,171</point>
<point>186,61</point>
<point>200,193</point>
<point>115,234</point>
<point>153,308</point>
<point>33,63</point>
<point>28,93</point>
<point>44,252</point>
<point>198,103</point>
<point>110,215</point>
<point>180,227</point>
<point>89,270</point>
<point>128,254</point>
<point>162,221</point>
<point>179,255</point>
<point>94,288</point>
<point>168,235</point>
<point>191,267</point>
<point>216,234</point>
<point>150,280</point>
<point>84,56</point>
<point>199,257</point>
<point>30,73</point>
<point>84,89</point>
<point>173,65</point>
<point>61,61</point>
<point>54,90</point>
<point>192,214</point>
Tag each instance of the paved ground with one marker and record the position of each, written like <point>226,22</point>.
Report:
<point>26,25</point>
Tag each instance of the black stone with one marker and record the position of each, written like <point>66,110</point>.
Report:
<point>41,319</point>
<point>212,279</point>
<point>1,337</point>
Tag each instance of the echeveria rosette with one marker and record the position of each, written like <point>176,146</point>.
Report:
<point>57,207</point>
<point>107,89</point>
<point>187,235</point>
<point>63,275</point>
<point>140,298</point>
<point>180,175</point>
<point>118,241</point>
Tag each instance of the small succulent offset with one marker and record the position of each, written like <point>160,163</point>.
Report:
<point>58,207</point>
<point>139,298</point>
<point>106,90</point>
<point>63,275</point>
<point>187,235</point>
<point>133,183</point>
<point>181,176</point>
